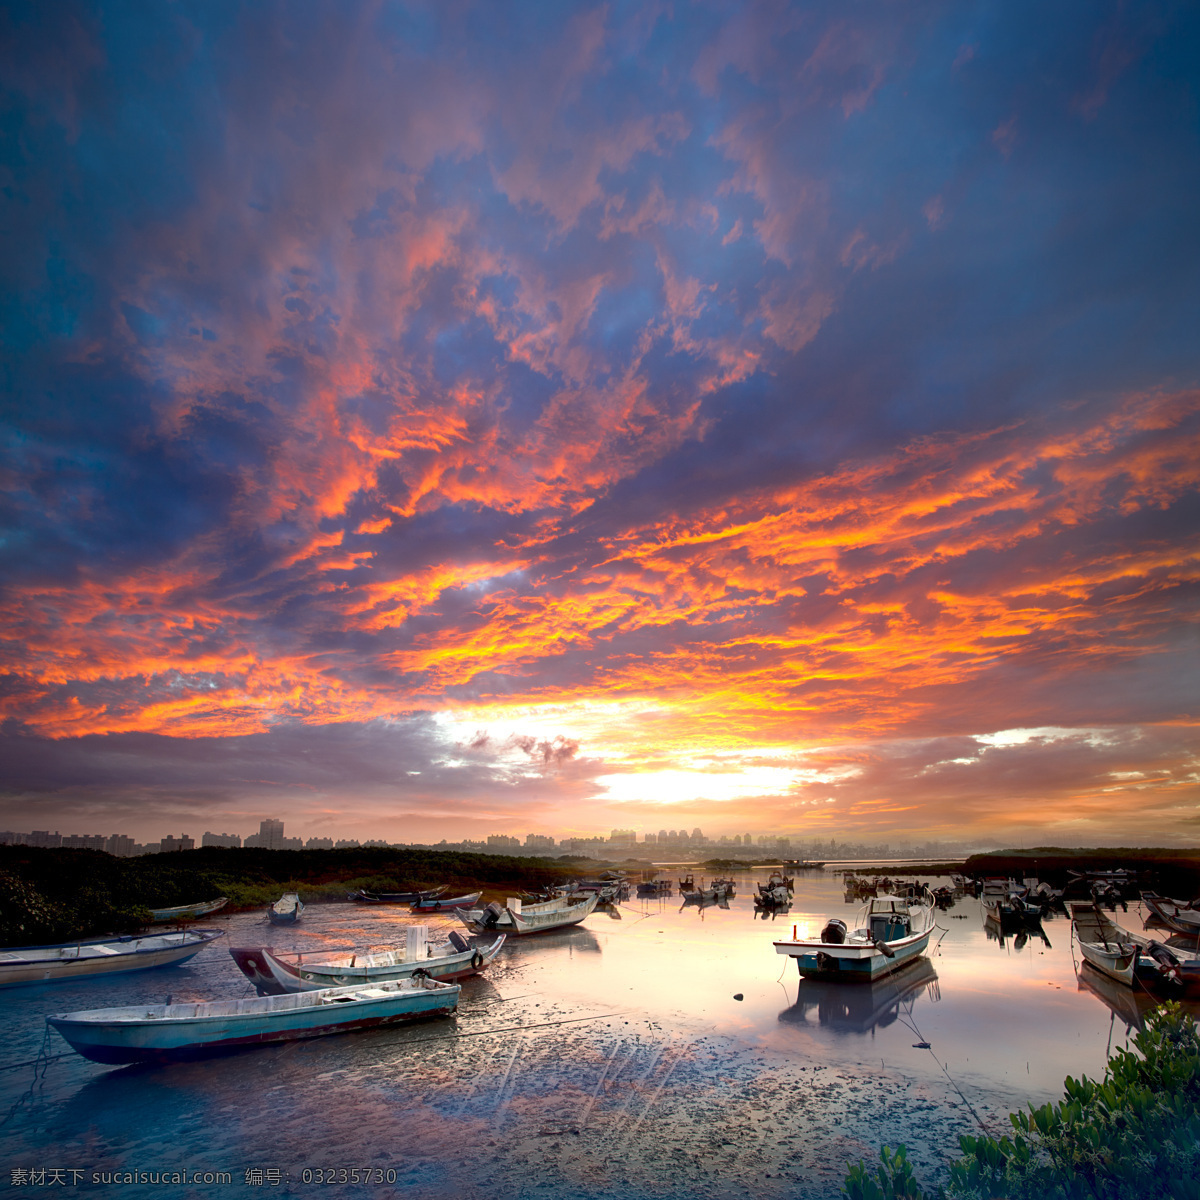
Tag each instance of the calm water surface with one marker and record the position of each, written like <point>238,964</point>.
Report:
<point>611,1060</point>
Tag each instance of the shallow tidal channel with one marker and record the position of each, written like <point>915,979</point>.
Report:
<point>611,1060</point>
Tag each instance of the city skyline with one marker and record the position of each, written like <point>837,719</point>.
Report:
<point>446,420</point>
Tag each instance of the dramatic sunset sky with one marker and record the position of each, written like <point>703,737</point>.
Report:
<point>428,420</point>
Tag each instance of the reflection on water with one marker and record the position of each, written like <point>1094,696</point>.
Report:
<point>862,1007</point>
<point>622,1059</point>
<point>1128,1005</point>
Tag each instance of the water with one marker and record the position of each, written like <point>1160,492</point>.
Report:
<point>609,1060</point>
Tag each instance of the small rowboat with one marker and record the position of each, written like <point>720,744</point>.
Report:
<point>286,910</point>
<point>272,975</point>
<point>1128,957</point>
<point>159,1032</point>
<point>517,918</point>
<point>362,896</point>
<point>101,956</point>
<point>187,912</point>
<point>436,903</point>
<point>1174,914</point>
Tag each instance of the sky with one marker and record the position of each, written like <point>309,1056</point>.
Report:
<point>431,420</point>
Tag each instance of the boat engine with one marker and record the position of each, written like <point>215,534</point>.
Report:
<point>491,915</point>
<point>834,932</point>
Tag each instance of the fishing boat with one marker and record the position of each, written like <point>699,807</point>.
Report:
<point>362,896</point>
<point>434,903</point>
<point>654,888</point>
<point>776,897</point>
<point>187,912</point>
<point>275,974</point>
<point>1128,957</point>
<point>892,932</point>
<point>1176,915</point>
<point>518,918</point>
<point>286,910</point>
<point>101,956</point>
<point>159,1032</point>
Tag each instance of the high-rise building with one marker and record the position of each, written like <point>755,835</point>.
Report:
<point>538,841</point>
<point>502,840</point>
<point>221,839</point>
<point>319,843</point>
<point>697,836</point>
<point>45,839</point>
<point>83,841</point>
<point>183,842</point>
<point>120,845</point>
<point>269,835</point>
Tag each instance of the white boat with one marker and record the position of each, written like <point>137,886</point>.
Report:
<point>892,932</point>
<point>157,1032</point>
<point>286,910</point>
<point>1128,957</point>
<point>1176,915</point>
<point>187,912</point>
<point>516,918</point>
<point>100,956</point>
<point>273,975</point>
<point>437,903</point>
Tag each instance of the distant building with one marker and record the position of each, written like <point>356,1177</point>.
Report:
<point>231,840</point>
<point>346,844</point>
<point>319,843</point>
<point>121,845</point>
<point>697,836</point>
<point>502,841</point>
<point>83,841</point>
<point>268,837</point>
<point>622,838</point>
<point>183,842</point>
<point>45,839</point>
<point>8,838</point>
<point>538,841</point>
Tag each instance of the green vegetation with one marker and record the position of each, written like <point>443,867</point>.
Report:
<point>58,895</point>
<point>1134,1136</point>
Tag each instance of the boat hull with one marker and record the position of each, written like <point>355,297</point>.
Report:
<point>534,918</point>
<point>852,964</point>
<point>135,955</point>
<point>123,1040</point>
<point>1120,967</point>
<point>273,976</point>
<point>455,902</point>
<point>187,912</point>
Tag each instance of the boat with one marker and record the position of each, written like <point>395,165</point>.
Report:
<point>1128,957</point>
<point>518,918</point>
<point>892,932</point>
<point>362,896</point>
<point>1176,915</point>
<point>434,903</point>
<point>775,880</point>
<point>776,897</point>
<point>653,889</point>
<point>273,974</point>
<point>162,1032</point>
<point>187,912</point>
<point>101,956</point>
<point>286,910</point>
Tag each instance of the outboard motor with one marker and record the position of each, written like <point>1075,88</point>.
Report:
<point>834,932</point>
<point>491,915</point>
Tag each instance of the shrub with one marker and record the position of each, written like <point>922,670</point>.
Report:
<point>1133,1136</point>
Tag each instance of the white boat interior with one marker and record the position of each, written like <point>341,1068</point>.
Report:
<point>78,951</point>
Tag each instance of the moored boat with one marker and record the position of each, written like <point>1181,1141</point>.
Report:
<point>157,1032</point>
<point>286,910</point>
<point>1176,915</point>
<point>435,903</point>
<point>518,918</point>
<point>274,974</point>
<point>362,896</point>
<point>101,956</point>
<point>892,932</point>
<point>1128,957</point>
<point>187,912</point>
